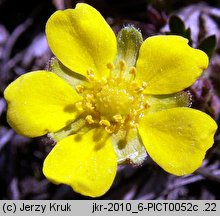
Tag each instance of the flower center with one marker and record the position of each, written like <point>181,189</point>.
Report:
<point>115,103</point>
<point>114,98</point>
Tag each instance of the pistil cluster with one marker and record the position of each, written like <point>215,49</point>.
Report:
<point>114,103</point>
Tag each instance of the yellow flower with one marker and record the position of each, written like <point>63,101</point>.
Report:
<point>103,107</point>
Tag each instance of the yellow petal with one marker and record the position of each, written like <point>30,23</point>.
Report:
<point>81,39</point>
<point>87,163</point>
<point>168,64</point>
<point>40,102</point>
<point>177,139</point>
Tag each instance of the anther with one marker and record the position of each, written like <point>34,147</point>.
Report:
<point>133,124</point>
<point>109,129</point>
<point>134,113</point>
<point>139,89</point>
<point>89,119</point>
<point>146,106</point>
<point>90,73</point>
<point>110,66</point>
<point>133,71</point>
<point>144,85</point>
<point>118,118</point>
<point>89,105</point>
<point>122,65</point>
<point>105,122</point>
<point>90,98</point>
<point>141,108</point>
<point>79,106</point>
<point>80,88</point>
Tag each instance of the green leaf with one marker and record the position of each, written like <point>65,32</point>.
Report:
<point>176,25</point>
<point>208,45</point>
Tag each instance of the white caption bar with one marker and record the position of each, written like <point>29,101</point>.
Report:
<point>99,207</point>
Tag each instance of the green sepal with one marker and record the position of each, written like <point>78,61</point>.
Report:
<point>78,126</point>
<point>158,103</point>
<point>66,74</point>
<point>128,147</point>
<point>129,40</point>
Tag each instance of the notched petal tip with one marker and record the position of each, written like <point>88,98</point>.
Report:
<point>35,99</point>
<point>177,139</point>
<point>81,39</point>
<point>82,163</point>
<point>168,64</point>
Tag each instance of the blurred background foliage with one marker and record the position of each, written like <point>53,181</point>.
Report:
<point>23,48</point>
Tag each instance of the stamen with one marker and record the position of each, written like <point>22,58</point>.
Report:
<point>89,119</point>
<point>134,113</point>
<point>122,66</point>
<point>105,122</point>
<point>90,73</point>
<point>142,108</point>
<point>113,102</point>
<point>144,85</point>
<point>90,98</point>
<point>118,118</point>
<point>133,124</point>
<point>79,106</point>
<point>146,106</point>
<point>80,88</point>
<point>140,89</point>
<point>89,105</point>
<point>133,71</point>
<point>109,129</point>
<point>110,66</point>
